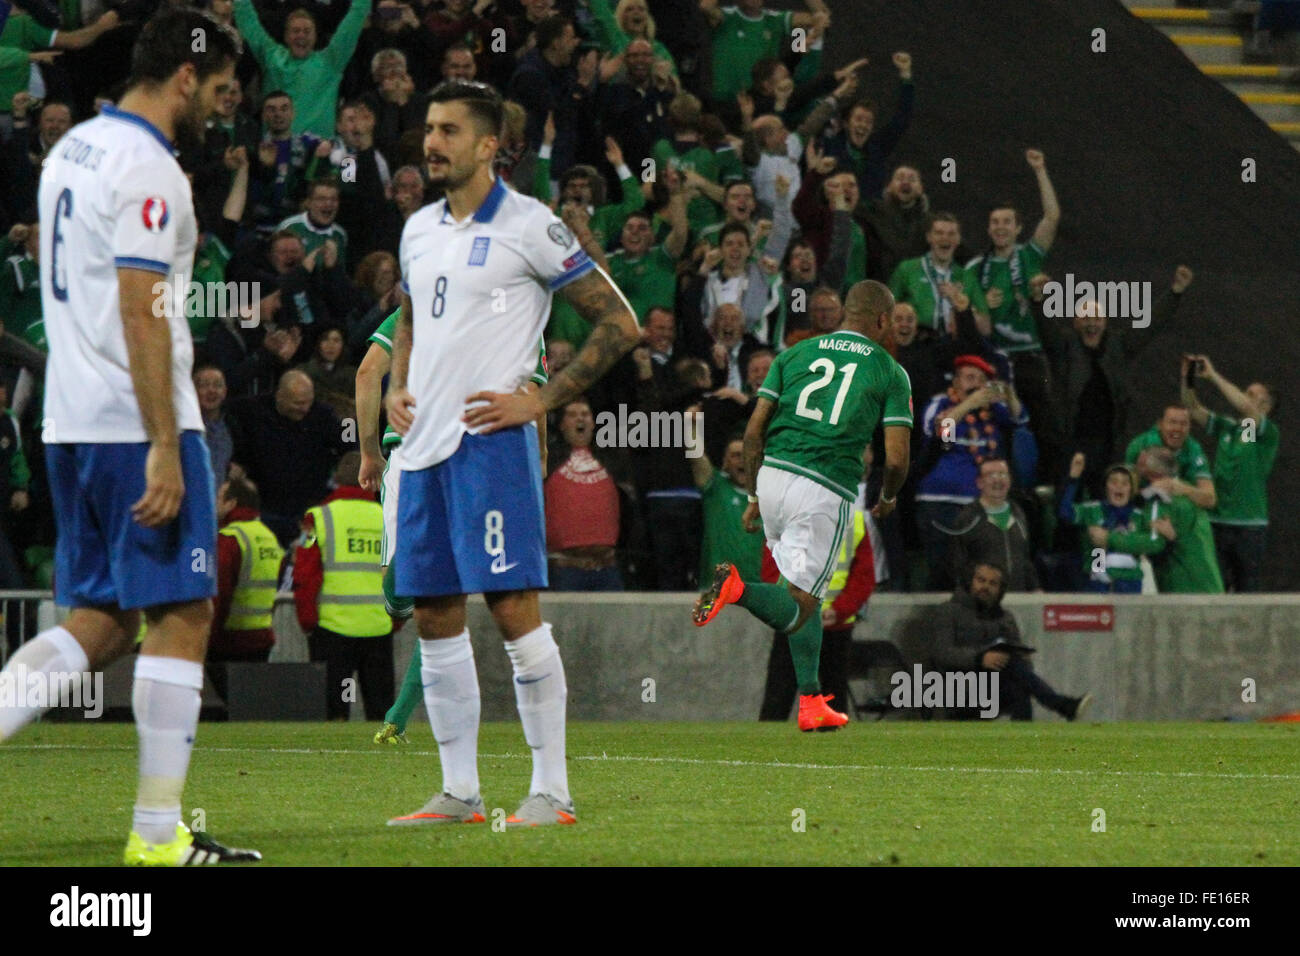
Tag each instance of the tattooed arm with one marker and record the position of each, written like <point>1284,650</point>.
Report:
<point>614,333</point>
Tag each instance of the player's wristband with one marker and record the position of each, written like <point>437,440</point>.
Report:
<point>753,499</point>
<point>888,501</point>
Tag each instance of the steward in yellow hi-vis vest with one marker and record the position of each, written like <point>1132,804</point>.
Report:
<point>339,594</point>
<point>851,585</point>
<point>248,572</point>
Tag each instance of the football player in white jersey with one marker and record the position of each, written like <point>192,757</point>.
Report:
<point>480,267</point>
<point>128,468</point>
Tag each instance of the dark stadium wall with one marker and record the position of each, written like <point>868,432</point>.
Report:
<point>1147,157</point>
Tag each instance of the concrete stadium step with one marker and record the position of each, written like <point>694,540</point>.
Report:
<point>1259,73</point>
<point>1183,15</point>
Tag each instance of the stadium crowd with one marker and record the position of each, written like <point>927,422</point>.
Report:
<point>734,185</point>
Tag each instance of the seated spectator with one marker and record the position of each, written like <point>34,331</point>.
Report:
<point>309,76</point>
<point>289,426</point>
<point>1246,448</point>
<point>962,427</point>
<point>973,632</point>
<point>1114,570</point>
<point>582,507</point>
<point>733,278</point>
<point>335,378</point>
<point>1089,365</point>
<point>338,594</point>
<point>210,386</point>
<point>866,148</point>
<point>896,223</point>
<point>1193,479</point>
<point>931,281</point>
<point>990,528</point>
<point>286,163</point>
<point>1185,562</point>
<point>248,574</point>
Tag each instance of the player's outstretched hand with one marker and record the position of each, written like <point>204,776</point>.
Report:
<point>372,471</point>
<point>502,410</point>
<point>752,520</point>
<point>163,487</point>
<point>399,403</point>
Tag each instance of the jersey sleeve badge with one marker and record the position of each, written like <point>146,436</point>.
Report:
<point>155,214</point>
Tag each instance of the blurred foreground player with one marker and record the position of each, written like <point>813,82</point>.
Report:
<point>479,269</point>
<point>128,468</point>
<point>820,404</point>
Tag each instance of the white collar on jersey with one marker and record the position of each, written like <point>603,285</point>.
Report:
<point>112,112</point>
<point>485,212</point>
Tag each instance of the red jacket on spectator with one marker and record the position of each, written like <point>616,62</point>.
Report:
<point>308,572</point>
<point>857,589</point>
<point>814,216</point>
<point>228,561</point>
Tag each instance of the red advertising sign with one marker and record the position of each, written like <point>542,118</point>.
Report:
<point>1078,617</point>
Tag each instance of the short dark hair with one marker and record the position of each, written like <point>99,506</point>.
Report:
<point>763,69</point>
<point>275,95</point>
<point>642,214</point>
<point>1006,205</point>
<point>200,367</point>
<point>550,30</point>
<point>243,494</point>
<point>483,102</point>
<point>731,227</point>
<point>321,182</point>
<point>733,183</point>
<point>167,43</point>
<point>934,217</point>
<point>869,105</point>
<point>757,353</point>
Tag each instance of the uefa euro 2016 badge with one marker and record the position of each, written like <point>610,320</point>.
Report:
<point>478,254</point>
<point>155,214</point>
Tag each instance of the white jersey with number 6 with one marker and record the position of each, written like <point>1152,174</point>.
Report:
<point>111,196</point>
<point>480,297</point>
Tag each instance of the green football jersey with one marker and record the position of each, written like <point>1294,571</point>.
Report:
<point>700,211</point>
<point>1192,463</point>
<point>739,42</point>
<point>1014,329</point>
<point>1242,463</point>
<point>646,281</point>
<point>383,337</point>
<point>831,393</point>
<point>917,281</point>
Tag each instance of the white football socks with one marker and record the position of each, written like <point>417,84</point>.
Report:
<point>451,697</point>
<point>49,652</point>
<point>541,694</point>
<point>165,700</point>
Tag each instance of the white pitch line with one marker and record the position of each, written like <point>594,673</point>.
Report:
<point>765,764</point>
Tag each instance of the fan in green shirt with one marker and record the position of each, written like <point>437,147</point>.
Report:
<point>929,282</point>
<point>1245,447</point>
<point>1191,477</point>
<point>23,39</point>
<point>310,76</point>
<point>646,274</point>
<point>1004,271</point>
<point>746,33</point>
<point>633,21</point>
<point>583,185</point>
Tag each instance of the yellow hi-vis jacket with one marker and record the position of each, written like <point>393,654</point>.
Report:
<point>348,533</point>
<point>259,570</point>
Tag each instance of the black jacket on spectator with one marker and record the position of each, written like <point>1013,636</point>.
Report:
<point>635,117</point>
<point>980,540</point>
<point>358,202</point>
<point>881,142</point>
<point>310,298</point>
<point>211,177</point>
<point>290,462</point>
<point>960,631</point>
<point>541,88</point>
<point>893,233</point>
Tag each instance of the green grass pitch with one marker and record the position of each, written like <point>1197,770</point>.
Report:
<point>883,794</point>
